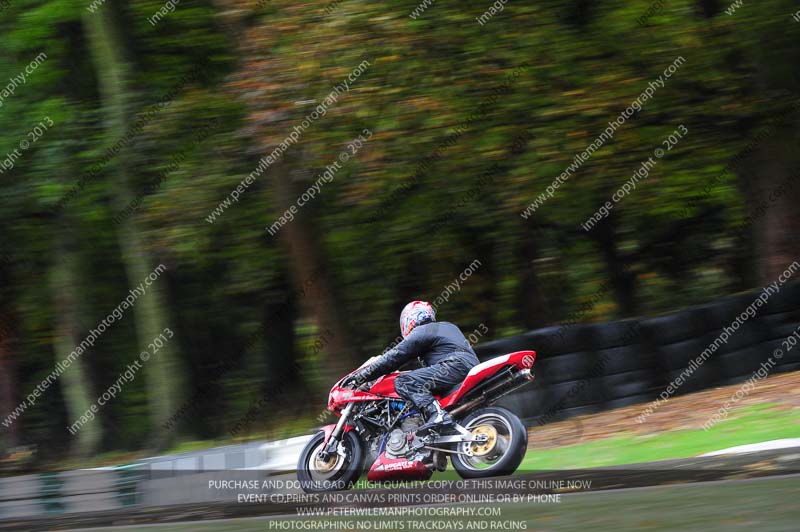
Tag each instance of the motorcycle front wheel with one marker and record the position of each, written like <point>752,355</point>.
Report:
<point>337,473</point>
<point>503,450</point>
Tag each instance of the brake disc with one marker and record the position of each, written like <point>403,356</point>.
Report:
<point>326,466</point>
<point>487,446</point>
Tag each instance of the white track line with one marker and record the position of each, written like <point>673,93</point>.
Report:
<point>785,443</point>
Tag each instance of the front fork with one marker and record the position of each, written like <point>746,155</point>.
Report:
<point>332,445</point>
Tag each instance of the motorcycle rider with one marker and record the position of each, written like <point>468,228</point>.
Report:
<point>444,351</point>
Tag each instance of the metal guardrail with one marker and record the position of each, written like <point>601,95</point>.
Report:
<point>282,455</point>
<point>156,481</point>
<point>69,491</point>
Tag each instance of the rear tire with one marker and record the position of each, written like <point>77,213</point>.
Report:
<point>339,473</point>
<point>506,448</point>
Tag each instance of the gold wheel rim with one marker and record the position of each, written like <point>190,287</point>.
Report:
<point>325,466</point>
<point>484,448</point>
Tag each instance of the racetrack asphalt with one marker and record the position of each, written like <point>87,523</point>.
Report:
<point>757,490</point>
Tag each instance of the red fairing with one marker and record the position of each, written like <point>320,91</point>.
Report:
<point>397,469</point>
<point>385,386</point>
<point>523,360</point>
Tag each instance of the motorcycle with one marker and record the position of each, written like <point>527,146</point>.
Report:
<point>378,429</point>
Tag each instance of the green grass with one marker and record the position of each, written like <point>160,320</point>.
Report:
<point>749,425</point>
<point>285,429</point>
<point>187,446</point>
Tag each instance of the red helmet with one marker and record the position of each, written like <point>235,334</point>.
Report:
<point>415,313</point>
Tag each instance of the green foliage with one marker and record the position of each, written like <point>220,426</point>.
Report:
<point>581,64</point>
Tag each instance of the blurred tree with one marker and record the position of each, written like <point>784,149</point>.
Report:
<point>8,371</point>
<point>446,98</point>
<point>111,55</point>
<point>272,114</point>
<point>79,394</point>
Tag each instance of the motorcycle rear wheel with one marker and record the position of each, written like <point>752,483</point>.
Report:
<point>336,474</point>
<point>501,454</point>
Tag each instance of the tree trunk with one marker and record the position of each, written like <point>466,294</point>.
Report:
<point>75,382</point>
<point>311,273</point>
<point>280,342</point>
<point>8,375</point>
<point>623,281</point>
<point>533,308</point>
<point>300,238</point>
<point>774,219</point>
<point>110,54</point>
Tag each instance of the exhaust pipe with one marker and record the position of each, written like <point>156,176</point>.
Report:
<point>495,392</point>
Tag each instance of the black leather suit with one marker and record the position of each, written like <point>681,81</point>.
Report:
<point>442,348</point>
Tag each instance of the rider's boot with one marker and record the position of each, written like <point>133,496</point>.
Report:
<point>436,418</point>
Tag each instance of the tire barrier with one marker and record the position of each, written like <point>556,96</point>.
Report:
<point>584,368</point>
<point>615,334</point>
<point>784,301</point>
<point>626,359</point>
<point>564,368</point>
<point>781,325</point>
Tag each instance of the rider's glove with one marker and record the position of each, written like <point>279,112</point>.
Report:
<point>353,381</point>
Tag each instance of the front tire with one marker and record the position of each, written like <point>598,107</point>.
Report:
<point>336,474</point>
<point>501,454</point>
